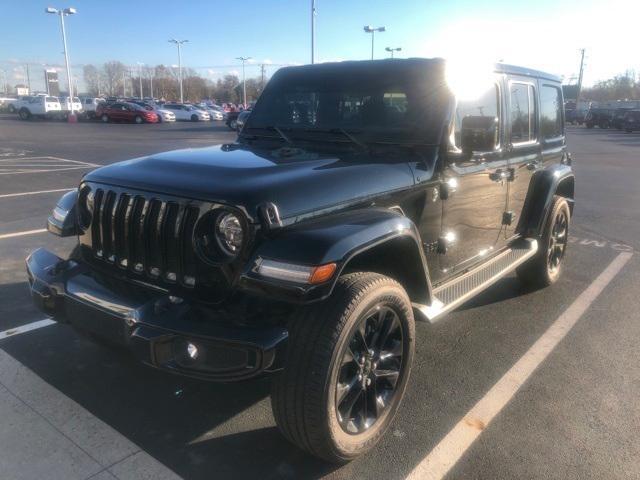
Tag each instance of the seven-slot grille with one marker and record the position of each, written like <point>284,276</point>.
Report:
<point>145,234</point>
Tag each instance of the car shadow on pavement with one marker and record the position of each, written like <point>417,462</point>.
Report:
<point>504,289</point>
<point>195,428</point>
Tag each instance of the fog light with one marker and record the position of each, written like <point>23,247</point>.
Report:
<point>192,351</point>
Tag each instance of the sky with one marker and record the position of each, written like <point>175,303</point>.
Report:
<point>541,34</point>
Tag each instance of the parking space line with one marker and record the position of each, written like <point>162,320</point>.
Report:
<point>20,234</point>
<point>12,332</point>
<point>453,446</point>
<point>10,195</point>
<point>47,170</point>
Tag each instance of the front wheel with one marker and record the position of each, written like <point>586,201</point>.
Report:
<point>545,267</point>
<point>347,367</point>
<point>194,118</point>
<point>105,118</point>
<point>138,119</point>
<point>24,114</point>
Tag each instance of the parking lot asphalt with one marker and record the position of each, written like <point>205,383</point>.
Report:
<point>73,409</point>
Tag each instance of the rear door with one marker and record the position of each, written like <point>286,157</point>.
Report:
<point>524,148</point>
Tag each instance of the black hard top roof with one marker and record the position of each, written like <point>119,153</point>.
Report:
<point>411,63</point>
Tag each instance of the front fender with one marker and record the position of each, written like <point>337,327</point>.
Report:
<point>558,179</point>
<point>336,238</point>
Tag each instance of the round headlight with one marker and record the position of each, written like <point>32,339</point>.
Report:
<point>85,206</point>
<point>229,233</point>
<point>89,202</point>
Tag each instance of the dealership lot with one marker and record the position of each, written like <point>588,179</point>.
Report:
<point>72,409</point>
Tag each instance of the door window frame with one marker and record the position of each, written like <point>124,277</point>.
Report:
<point>532,97</point>
<point>563,133</point>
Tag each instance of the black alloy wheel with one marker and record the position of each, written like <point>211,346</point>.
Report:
<point>557,241</point>
<point>370,369</point>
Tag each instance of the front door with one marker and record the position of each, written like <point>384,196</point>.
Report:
<point>476,191</point>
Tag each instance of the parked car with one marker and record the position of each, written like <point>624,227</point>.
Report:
<point>125,112</point>
<point>232,119</point>
<point>40,106</point>
<point>618,120</point>
<point>187,112</point>
<point>89,105</point>
<point>306,249</point>
<point>164,115</point>
<point>66,102</point>
<point>14,104</point>
<point>602,117</point>
<point>632,121</point>
<point>214,114</point>
<point>242,118</point>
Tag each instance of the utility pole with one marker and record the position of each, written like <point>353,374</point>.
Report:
<point>28,78</point>
<point>151,73</point>
<point>244,83</point>
<point>580,76</point>
<point>262,68</point>
<point>313,31</point>
<point>124,83</point>
<point>140,77</point>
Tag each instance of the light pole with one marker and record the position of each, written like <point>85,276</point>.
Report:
<point>4,81</point>
<point>391,50</point>
<point>244,84</point>
<point>179,44</point>
<point>313,31</point>
<point>372,31</point>
<point>62,14</point>
<point>140,64</point>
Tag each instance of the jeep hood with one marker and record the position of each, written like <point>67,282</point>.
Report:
<point>296,181</point>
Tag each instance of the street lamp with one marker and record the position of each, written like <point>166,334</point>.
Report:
<point>313,31</point>
<point>391,50</point>
<point>244,85</point>
<point>140,64</point>
<point>179,44</point>
<point>62,14</point>
<point>372,31</point>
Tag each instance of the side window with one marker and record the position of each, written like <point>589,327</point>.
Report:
<point>550,112</point>
<point>522,113</point>
<point>485,105</point>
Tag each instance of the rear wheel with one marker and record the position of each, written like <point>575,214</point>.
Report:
<point>545,267</point>
<point>347,367</point>
<point>194,118</point>
<point>105,118</point>
<point>233,125</point>
<point>12,109</point>
<point>138,119</point>
<point>24,114</point>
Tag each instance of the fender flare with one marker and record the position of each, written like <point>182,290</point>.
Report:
<point>341,238</point>
<point>558,179</point>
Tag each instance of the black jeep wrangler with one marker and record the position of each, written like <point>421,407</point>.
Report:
<point>358,197</point>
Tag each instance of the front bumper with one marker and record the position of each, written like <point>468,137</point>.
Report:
<point>158,329</point>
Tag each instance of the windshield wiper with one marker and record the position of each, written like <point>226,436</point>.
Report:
<point>278,130</point>
<point>281,133</point>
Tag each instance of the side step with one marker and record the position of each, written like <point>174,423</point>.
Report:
<point>452,294</point>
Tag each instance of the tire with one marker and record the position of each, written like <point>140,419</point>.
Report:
<point>159,118</point>
<point>194,118</point>
<point>105,118</point>
<point>24,114</point>
<point>138,119</point>
<point>539,272</point>
<point>304,396</point>
<point>233,125</point>
<point>12,109</point>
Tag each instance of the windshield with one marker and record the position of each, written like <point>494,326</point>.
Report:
<point>392,104</point>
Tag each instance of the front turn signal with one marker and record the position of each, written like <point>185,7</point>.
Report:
<point>322,273</point>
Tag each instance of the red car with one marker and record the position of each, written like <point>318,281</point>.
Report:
<point>125,112</point>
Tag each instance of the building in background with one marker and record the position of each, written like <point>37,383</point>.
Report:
<point>51,82</point>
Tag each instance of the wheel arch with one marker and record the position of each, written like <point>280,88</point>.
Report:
<point>559,180</point>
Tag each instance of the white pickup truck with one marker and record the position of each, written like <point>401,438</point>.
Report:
<point>65,105</point>
<point>14,104</point>
<point>40,106</point>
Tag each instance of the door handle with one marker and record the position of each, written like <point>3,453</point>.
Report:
<point>501,175</point>
<point>533,165</point>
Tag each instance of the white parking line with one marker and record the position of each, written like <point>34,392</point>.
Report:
<point>451,448</point>
<point>26,328</point>
<point>20,234</point>
<point>9,195</point>
<point>41,164</point>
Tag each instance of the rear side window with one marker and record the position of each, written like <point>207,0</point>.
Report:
<point>550,112</point>
<point>522,113</point>
<point>52,99</point>
<point>485,105</point>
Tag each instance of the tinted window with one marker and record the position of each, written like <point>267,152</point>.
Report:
<point>522,113</point>
<point>486,105</point>
<point>550,112</point>
<point>52,99</point>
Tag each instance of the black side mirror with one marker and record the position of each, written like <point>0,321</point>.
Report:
<point>479,134</point>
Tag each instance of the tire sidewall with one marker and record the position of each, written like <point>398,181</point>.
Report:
<point>349,446</point>
<point>559,204</point>
<point>138,119</point>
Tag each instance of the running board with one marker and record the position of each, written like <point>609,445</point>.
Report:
<point>452,294</point>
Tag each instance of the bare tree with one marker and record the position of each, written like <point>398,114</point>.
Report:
<point>114,72</point>
<point>92,79</point>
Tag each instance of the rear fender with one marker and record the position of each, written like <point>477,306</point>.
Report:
<point>557,180</point>
<point>373,239</point>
